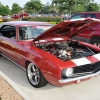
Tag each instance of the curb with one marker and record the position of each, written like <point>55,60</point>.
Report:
<point>14,86</point>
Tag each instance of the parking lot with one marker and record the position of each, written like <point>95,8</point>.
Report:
<point>87,90</point>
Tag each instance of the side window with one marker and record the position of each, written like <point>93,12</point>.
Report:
<point>31,32</point>
<point>76,16</point>
<point>28,32</point>
<point>25,33</point>
<point>89,16</point>
<point>8,31</point>
<point>36,32</point>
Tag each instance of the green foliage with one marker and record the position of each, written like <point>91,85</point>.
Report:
<point>77,9</point>
<point>6,20</point>
<point>33,6</point>
<point>45,19</point>
<point>92,7</point>
<point>57,7</point>
<point>46,9</point>
<point>15,8</point>
<point>70,5</point>
<point>4,10</point>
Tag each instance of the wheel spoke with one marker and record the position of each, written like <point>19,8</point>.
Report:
<point>37,71</point>
<point>33,68</point>
<point>36,79</point>
<point>32,74</point>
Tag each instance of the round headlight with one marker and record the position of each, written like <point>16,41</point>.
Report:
<point>67,72</point>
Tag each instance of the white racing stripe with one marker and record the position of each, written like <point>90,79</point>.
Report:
<point>97,56</point>
<point>81,61</point>
<point>57,39</point>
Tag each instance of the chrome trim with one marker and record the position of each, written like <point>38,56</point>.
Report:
<point>13,62</point>
<point>78,78</point>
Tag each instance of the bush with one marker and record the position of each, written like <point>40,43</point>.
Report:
<point>45,19</point>
<point>6,20</point>
<point>50,19</point>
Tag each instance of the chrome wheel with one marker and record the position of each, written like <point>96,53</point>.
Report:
<point>33,74</point>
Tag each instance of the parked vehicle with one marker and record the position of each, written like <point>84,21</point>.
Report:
<point>1,18</point>
<point>5,18</point>
<point>18,16</point>
<point>49,54</point>
<point>86,15</point>
<point>92,34</point>
<point>24,15</point>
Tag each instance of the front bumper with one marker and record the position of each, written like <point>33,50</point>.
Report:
<point>78,79</point>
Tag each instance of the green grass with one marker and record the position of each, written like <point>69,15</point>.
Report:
<point>0,99</point>
<point>52,22</point>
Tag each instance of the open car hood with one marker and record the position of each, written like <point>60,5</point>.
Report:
<point>69,28</point>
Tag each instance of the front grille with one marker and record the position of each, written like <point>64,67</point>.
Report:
<point>84,70</point>
<point>87,68</point>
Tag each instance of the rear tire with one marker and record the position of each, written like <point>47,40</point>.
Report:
<point>35,76</point>
<point>96,42</point>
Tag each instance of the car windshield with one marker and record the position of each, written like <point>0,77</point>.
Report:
<point>31,32</point>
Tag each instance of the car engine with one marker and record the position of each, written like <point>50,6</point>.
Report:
<point>66,50</point>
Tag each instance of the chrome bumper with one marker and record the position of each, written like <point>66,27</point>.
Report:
<point>78,79</point>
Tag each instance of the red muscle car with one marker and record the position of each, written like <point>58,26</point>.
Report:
<point>49,54</point>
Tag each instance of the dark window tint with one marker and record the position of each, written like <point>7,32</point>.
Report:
<point>76,16</point>
<point>8,31</point>
<point>89,16</point>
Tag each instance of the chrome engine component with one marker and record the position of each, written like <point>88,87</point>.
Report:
<point>66,50</point>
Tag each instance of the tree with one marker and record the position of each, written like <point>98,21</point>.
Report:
<point>77,9</point>
<point>46,8</point>
<point>16,8</point>
<point>4,10</point>
<point>69,4</point>
<point>33,6</point>
<point>92,7</point>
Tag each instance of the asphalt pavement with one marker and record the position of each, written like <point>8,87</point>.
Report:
<point>87,90</point>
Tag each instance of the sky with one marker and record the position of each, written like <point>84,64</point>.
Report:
<point>97,1</point>
<point>22,2</point>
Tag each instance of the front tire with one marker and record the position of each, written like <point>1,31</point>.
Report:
<point>35,76</point>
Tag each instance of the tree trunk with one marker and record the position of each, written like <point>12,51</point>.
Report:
<point>70,7</point>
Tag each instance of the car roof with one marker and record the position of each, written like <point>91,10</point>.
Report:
<point>89,13</point>
<point>18,23</point>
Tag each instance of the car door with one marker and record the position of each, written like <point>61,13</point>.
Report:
<point>88,34</point>
<point>90,15</point>
<point>8,42</point>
